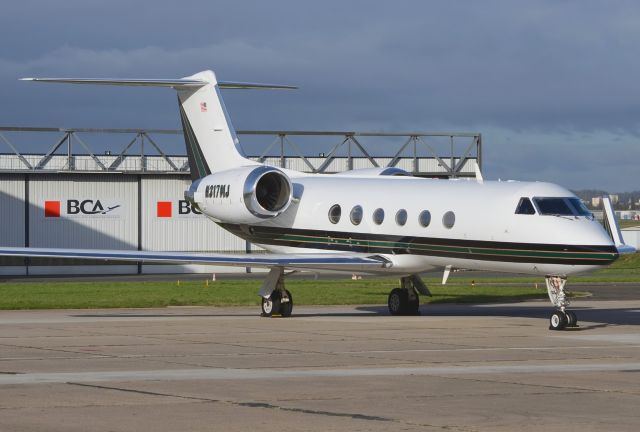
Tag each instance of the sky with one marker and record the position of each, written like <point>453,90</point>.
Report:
<point>552,85</point>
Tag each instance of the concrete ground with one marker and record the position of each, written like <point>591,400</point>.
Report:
<point>456,367</point>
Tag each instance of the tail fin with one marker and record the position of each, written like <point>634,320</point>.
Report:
<point>211,141</point>
<point>212,144</point>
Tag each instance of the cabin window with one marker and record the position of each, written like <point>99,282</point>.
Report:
<point>401,217</point>
<point>356,215</point>
<point>449,219</point>
<point>525,207</point>
<point>378,216</point>
<point>425,218</point>
<point>334,214</point>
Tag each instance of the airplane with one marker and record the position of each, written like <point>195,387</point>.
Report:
<point>374,221</point>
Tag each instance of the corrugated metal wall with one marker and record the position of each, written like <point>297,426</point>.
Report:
<point>178,226</point>
<point>105,211</point>
<point>12,222</point>
<point>82,211</point>
<point>81,223</point>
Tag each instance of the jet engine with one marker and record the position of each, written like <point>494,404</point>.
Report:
<point>242,195</point>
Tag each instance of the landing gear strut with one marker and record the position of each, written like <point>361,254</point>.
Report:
<point>405,300</point>
<point>276,300</point>
<point>561,318</point>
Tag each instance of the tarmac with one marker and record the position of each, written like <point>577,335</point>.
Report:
<point>456,367</point>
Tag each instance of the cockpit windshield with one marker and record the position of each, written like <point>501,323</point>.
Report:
<point>579,207</point>
<point>561,206</point>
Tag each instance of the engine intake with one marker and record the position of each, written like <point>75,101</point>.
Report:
<point>267,192</point>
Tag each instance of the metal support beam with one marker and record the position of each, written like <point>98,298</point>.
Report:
<point>116,163</point>
<point>16,152</point>
<point>159,150</point>
<point>396,157</point>
<point>364,152</point>
<point>47,157</point>
<point>330,156</point>
<point>94,157</point>
<point>465,157</point>
<point>434,154</point>
<point>299,153</point>
<point>436,144</point>
<point>266,151</point>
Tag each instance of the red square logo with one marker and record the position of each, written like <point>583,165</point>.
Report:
<point>163,209</point>
<point>52,209</point>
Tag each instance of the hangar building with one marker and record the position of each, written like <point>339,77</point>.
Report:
<point>134,200</point>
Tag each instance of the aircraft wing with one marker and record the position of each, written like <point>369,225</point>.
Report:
<point>329,261</point>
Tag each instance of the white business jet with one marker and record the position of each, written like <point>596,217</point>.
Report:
<point>378,221</point>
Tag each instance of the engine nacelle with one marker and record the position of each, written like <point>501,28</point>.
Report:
<point>242,195</point>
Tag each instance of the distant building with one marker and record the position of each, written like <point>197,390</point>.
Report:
<point>595,202</point>
<point>614,199</point>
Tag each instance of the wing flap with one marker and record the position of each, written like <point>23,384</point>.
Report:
<point>345,261</point>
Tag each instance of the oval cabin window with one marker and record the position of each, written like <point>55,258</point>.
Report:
<point>425,218</point>
<point>356,215</point>
<point>334,214</point>
<point>378,216</point>
<point>449,219</point>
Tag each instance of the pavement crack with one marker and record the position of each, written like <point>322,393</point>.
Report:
<point>315,412</point>
<point>270,406</point>
<point>142,392</point>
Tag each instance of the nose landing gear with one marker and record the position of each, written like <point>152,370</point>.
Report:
<point>562,318</point>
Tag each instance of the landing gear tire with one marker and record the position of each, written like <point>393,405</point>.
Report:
<point>286,305</point>
<point>271,305</point>
<point>558,321</point>
<point>572,319</point>
<point>400,304</point>
<point>398,300</point>
<point>413,307</point>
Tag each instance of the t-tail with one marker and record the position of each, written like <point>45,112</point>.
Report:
<point>211,141</point>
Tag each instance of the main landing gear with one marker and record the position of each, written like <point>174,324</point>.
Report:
<point>562,317</point>
<point>405,300</point>
<point>276,300</point>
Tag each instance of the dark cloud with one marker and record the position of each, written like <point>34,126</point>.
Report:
<point>551,84</point>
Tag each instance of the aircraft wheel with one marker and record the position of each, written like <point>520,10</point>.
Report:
<point>271,305</point>
<point>286,305</point>
<point>572,319</point>
<point>398,302</point>
<point>558,321</point>
<point>413,307</point>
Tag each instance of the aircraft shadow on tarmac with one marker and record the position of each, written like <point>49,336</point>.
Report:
<point>596,317</point>
<point>588,317</point>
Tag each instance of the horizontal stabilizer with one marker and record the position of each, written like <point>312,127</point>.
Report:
<point>175,83</point>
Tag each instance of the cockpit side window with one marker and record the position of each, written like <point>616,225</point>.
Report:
<point>525,207</point>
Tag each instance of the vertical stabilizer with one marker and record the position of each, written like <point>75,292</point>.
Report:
<point>211,141</point>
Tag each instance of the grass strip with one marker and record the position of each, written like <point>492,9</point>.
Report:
<point>83,295</point>
<point>462,288</point>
